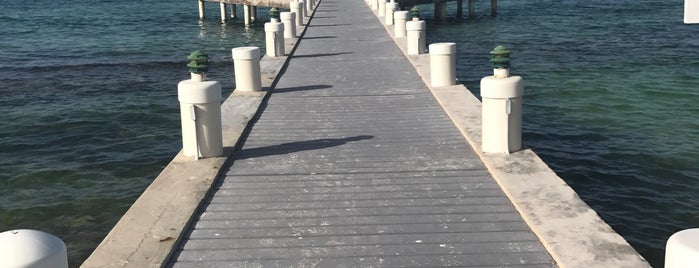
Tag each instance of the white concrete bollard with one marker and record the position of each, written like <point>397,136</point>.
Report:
<point>415,30</point>
<point>274,38</point>
<point>289,21</point>
<point>309,7</point>
<point>246,64</point>
<point>400,17</point>
<point>390,8</point>
<point>682,249</point>
<point>381,7</point>
<point>32,249</point>
<point>442,64</point>
<point>502,109</point>
<point>200,114</point>
<point>297,8</point>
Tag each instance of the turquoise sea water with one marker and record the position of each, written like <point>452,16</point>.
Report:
<point>89,112</point>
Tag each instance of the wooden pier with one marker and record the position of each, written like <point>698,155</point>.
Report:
<point>250,7</point>
<point>349,159</point>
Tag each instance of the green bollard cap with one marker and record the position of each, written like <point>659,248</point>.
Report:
<point>198,62</point>
<point>500,57</point>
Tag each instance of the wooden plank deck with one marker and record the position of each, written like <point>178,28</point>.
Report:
<point>353,163</point>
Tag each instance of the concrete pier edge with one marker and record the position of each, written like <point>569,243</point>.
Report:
<point>147,234</point>
<point>572,232</point>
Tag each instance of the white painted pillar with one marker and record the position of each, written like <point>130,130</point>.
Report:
<point>400,17</point>
<point>223,12</point>
<point>201,9</point>
<point>295,8</point>
<point>390,8</point>
<point>246,65</point>
<point>416,36</point>
<point>246,14</point>
<point>442,64</point>
<point>302,7</point>
<point>289,21</point>
<point>682,249</point>
<point>309,7</point>
<point>382,7</point>
<point>274,38</point>
<point>32,249</point>
<point>502,112</point>
<point>200,113</point>
<point>691,11</point>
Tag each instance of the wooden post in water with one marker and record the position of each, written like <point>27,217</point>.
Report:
<point>459,9</point>
<point>471,9</point>
<point>246,14</point>
<point>201,9</point>
<point>493,8</point>
<point>223,13</point>
<point>253,13</point>
<point>440,9</point>
<point>232,10</point>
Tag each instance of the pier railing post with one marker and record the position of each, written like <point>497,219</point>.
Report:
<point>274,35</point>
<point>416,33</point>
<point>246,65</point>
<point>390,8</point>
<point>296,8</point>
<point>32,249</point>
<point>246,15</point>
<point>682,249</point>
<point>289,21</point>
<point>400,17</point>
<point>200,111</point>
<point>502,106</point>
<point>201,9</point>
<point>224,18</point>
<point>381,7</point>
<point>309,7</point>
<point>442,64</point>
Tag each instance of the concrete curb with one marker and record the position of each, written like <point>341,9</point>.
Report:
<point>148,233</point>
<point>569,229</point>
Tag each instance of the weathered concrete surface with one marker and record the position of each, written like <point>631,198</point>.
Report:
<point>571,231</point>
<point>147,233</point>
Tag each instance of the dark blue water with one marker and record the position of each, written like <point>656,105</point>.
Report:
<point>89,112</point>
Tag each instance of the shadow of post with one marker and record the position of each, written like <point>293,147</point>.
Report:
<point>297,146</point>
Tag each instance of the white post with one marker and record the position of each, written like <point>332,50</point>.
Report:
<point>201,9</point>
<point>223,12</point>
<point>309,7</point>
<point>401,17</point>
<point>289,21</point>
<point>302,6</point>
<point>682,249</point>
<point>502,108</point>
<point>382,7</point>
<point>390,8</point>
<point>691,11</point>
<point>246,65</point>
<point>442,64</point>
<point>416,36</point>
<point>246,14</point>
<point>200,114</point>
<point>296,8</point>
<point>274,38</point>
<point>32,249</point>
